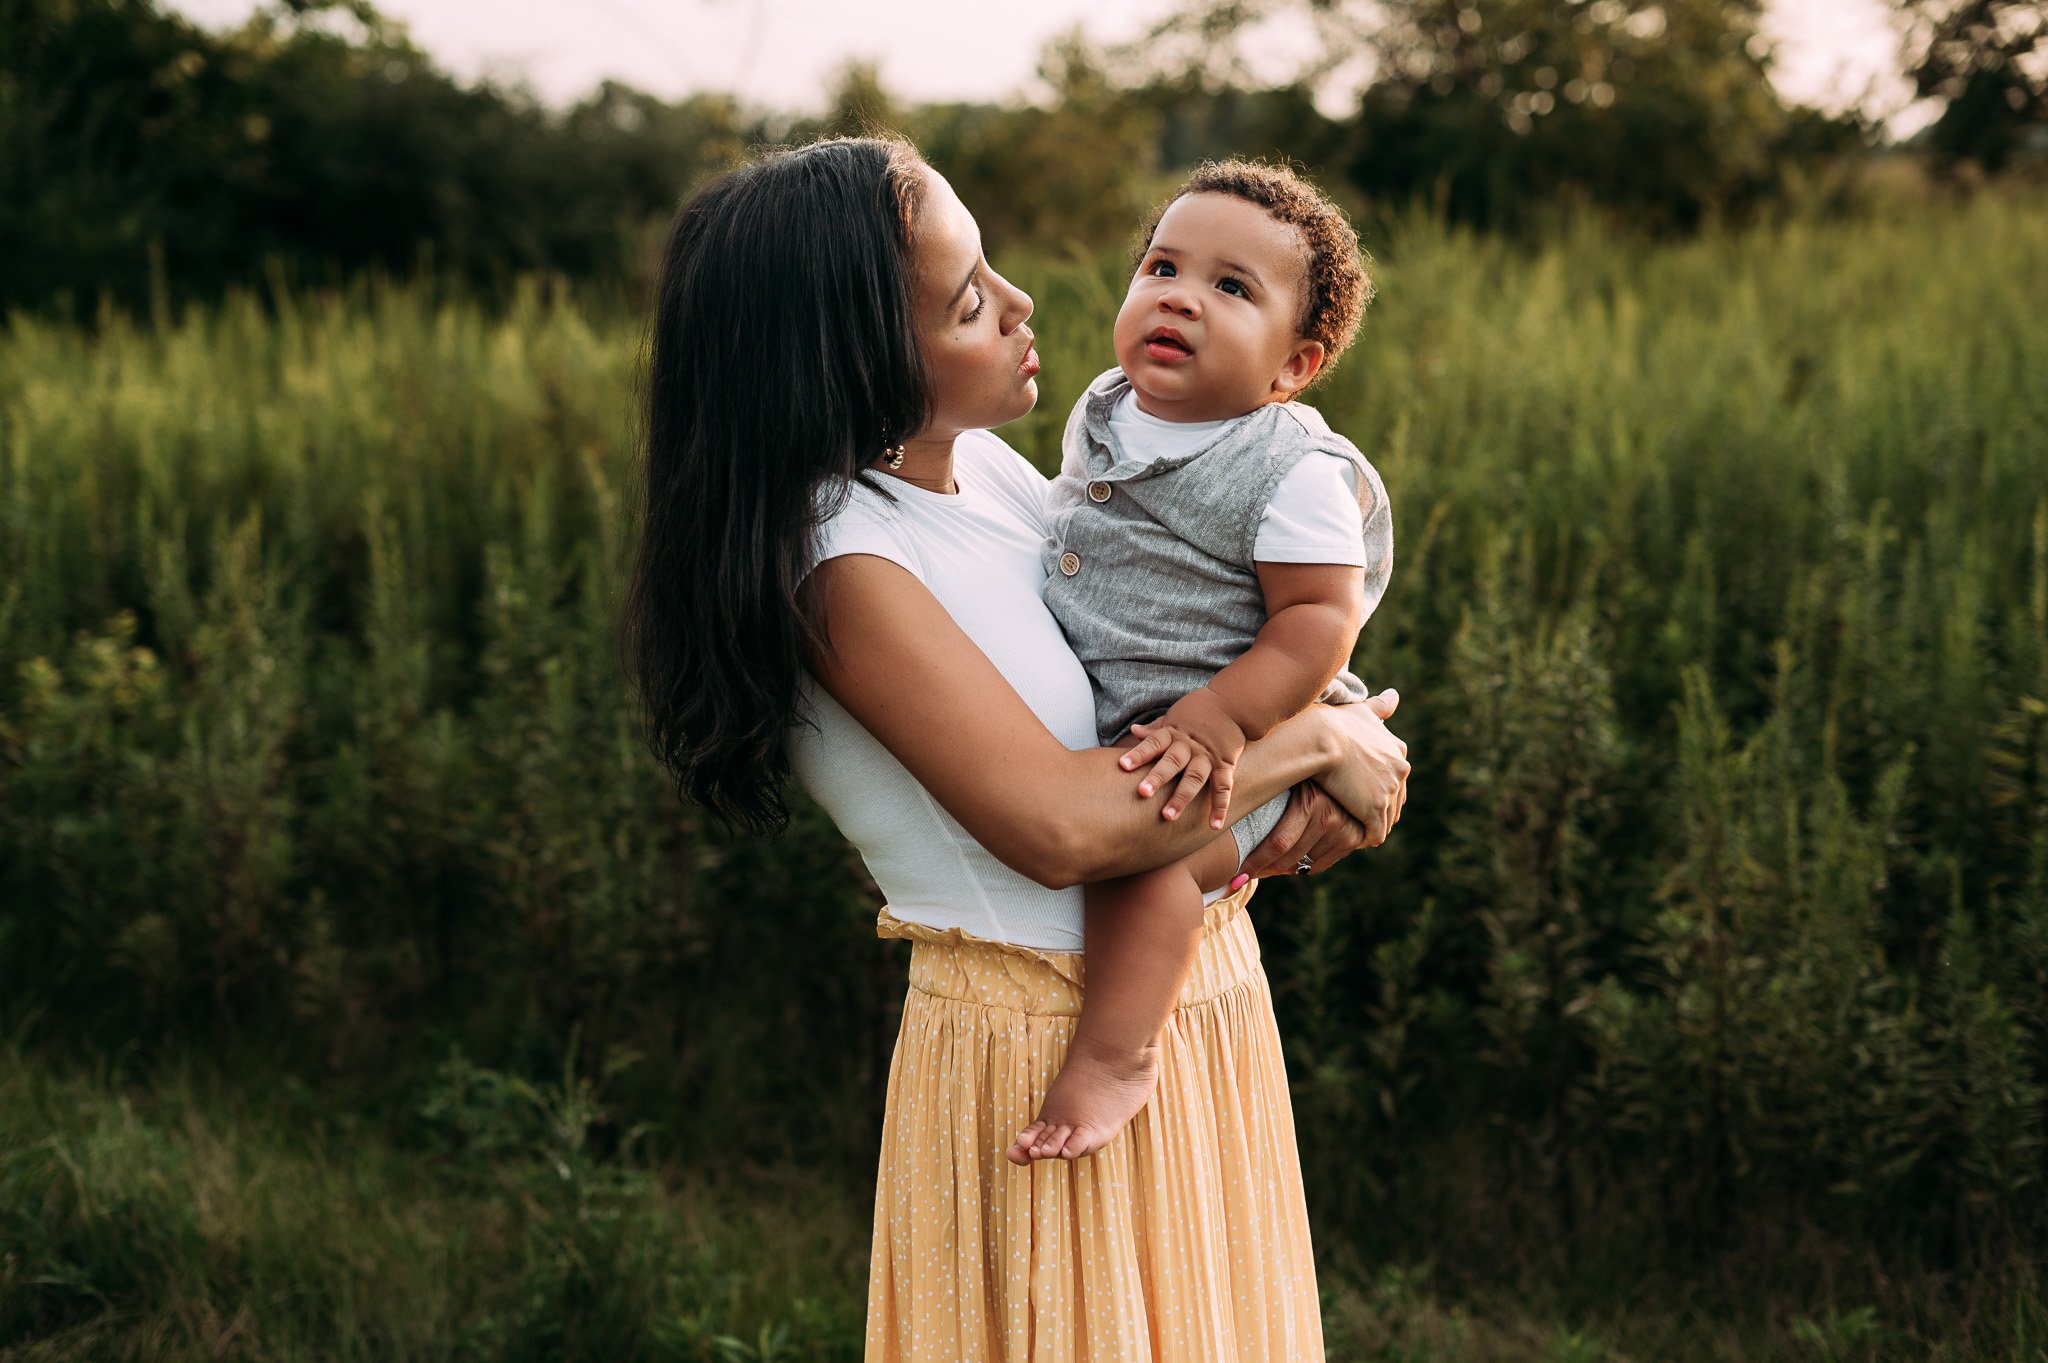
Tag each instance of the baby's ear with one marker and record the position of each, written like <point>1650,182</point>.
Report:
<point>1304,362</point>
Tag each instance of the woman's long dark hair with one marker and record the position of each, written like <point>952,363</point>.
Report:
<point>782,360</point>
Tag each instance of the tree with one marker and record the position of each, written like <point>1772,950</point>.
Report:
<point>1660,108</point>
<point>315,135</point>
<point>1987,61</point>
<point>1077,174</point>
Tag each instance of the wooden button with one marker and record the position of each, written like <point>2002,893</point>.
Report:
<point>1098,492</point>
<point>1070,563</point>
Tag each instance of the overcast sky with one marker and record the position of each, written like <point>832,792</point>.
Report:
<point>783,53</point>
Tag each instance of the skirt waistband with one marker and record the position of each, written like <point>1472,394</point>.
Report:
<point>952,963</point>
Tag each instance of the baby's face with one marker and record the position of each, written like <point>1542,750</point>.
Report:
<point>1208,329</point>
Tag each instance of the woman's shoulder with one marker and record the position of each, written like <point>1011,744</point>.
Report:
<point>855,517</point>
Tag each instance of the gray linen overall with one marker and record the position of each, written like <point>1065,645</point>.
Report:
<point>1149,564</point>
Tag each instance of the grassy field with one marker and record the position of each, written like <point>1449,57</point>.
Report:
<point>193,1218</point>
<point>365,994</point>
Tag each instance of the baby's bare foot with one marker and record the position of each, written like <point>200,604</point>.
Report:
<point>1094,1094</point>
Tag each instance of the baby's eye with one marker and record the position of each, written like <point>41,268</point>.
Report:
<point>1162,265</point>
<point>1236,286</point>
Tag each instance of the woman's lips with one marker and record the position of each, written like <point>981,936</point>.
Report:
<point>1030,365</point>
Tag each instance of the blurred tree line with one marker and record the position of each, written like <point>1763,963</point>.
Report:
<point>138,148</point>
<point>315,135</point>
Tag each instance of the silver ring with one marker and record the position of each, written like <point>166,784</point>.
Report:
<point>1301,868</point>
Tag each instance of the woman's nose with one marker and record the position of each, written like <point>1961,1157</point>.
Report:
<point>1017,304</point>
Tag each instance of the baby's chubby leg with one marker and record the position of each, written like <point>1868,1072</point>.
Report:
<point>1142,934</point>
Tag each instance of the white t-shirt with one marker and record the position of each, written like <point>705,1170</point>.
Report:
<point>977,551</point>
<point>1313,517</point>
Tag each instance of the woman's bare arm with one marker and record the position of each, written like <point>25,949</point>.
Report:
<point>912,677</point>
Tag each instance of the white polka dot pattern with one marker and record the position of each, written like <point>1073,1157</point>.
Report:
<point>1184,1240</point>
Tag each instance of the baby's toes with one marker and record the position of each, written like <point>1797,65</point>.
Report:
<point>1084,1141</point>
<point>1050,1144</point>
<point>1020,1149</point>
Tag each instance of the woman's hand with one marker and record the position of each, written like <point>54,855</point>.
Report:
<point>1314,826</point>
<point>1370,776</point>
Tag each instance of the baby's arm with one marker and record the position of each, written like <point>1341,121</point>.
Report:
<point>1313,613</point>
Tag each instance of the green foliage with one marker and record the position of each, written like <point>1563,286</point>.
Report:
<point>1706,970</point>
<point>1503,112</point>
<point>1982,60</point>
<point>139,152</point>
<point>1538,762</point>
<point>194,1223</point>
<point>144,159</point>
<point>1659,110</point>
<point>1840,1338</point>
<point>1067,179</point>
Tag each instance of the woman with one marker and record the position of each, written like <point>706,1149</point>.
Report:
<point>838,578</point>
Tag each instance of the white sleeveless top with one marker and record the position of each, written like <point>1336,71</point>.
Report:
<point>977,551</point>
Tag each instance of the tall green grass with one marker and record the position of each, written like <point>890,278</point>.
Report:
<point>1703,991</point>
<point>204,1220</point>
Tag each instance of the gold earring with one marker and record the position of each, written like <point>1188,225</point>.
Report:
<point>893,459</point>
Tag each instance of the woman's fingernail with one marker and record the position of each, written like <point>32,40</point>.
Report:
<point>1144,789</point>
<point>1171,811</point>
<point>1241,881</point>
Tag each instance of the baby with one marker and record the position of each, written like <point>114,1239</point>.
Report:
<point>1215,548</point>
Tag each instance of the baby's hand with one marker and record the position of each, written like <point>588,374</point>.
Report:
<point>1198,739</point>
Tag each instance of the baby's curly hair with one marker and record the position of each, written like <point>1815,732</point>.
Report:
<point>1337,285</point>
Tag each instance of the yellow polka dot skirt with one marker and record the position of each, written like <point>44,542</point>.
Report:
<point>1184,1240</point>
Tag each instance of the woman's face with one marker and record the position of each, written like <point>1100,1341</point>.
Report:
<point>970,322</point>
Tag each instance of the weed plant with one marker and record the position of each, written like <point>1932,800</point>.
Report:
<point>1699,1005</point>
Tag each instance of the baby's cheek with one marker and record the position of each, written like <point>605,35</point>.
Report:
<point>1126,332</point>
<point>1126,355</point>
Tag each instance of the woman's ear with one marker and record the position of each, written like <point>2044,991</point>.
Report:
<point>1304,362</point>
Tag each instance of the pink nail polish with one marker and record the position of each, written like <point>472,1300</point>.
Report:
<point>1240,882</point>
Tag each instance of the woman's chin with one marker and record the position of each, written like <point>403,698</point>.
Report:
<point>1027,399</point>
